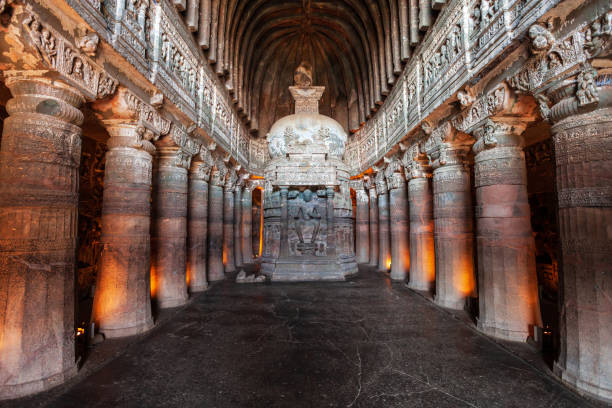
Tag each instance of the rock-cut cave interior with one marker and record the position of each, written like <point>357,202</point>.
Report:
<point>305,203</point>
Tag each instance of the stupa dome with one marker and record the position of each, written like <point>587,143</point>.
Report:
<point>306,129</point>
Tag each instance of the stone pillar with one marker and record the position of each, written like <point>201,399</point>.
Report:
<point>247,224</point>
<point>122,301</point>
<point>215,222</point>
<point>39,164</point>
<point>331,228</point>
<point>583,155</point>
<point>284,215</point>
<point>453,224</point>
<point>228,228</point>
<point>507,280</point>
<point>197,222</point>
<point>422,253</point>
<point>362,220</point>
<point>398,203</point>
<point>384,252</point>
<point>169,238</point>
<point>238,225</point>
<point>373,223</point>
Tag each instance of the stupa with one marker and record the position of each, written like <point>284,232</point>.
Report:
<point>308,223</point>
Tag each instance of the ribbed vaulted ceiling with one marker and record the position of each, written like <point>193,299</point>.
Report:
<point>356,47</point>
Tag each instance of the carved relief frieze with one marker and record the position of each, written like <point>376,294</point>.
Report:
<point>207,100</point>
<point>395,115</point>
<point>443,55</point>
<point>176,69</point>
<point>412,85</point>
<point>131,21</point>
<point>222,123</point>
<point>62,56</point>
<point>97,14</point>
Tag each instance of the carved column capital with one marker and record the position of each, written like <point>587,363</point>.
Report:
<point>173,156</point>
<point>357,184</point>
<point>219,171</point>
<point>502,132</point>
<point>201,165</point>
<point>380,181</point>
<point>447,146</point>
<point>127,107</point>
<point>33,93</point>
<point>416,163</point>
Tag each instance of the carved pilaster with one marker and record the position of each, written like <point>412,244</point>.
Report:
<point>228,219</point>
<point>238,219</point>
<point>371,187</point>
<point>169,238</point>
<point>246,238</point>
<point>362,221</point>
<point>507,280</point>
<point>215,220</point>
<point>384,251</point>
<point>398,218</point>
<point>422,254</point>
<point>453,225</point>
<point>39,163</point>
<point>582,139</point>
<point>197,222</point>
<point>122,304</point>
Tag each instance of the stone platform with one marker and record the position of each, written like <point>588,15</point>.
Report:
<point>300,270</point>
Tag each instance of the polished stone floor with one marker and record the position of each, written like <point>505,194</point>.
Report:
<point>363,343</point>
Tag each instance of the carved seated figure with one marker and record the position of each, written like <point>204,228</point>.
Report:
<point>307,227</point>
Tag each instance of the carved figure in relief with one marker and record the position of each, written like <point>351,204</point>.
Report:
<point>587,90</point>
<point>541,38</point>
<point>466,97</point>
<point>307,224</point>
<point>88,43</point>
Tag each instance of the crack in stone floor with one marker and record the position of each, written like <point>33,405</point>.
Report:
<point>362,343</point>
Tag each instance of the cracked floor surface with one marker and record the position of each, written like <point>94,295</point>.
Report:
<point>362,343</point>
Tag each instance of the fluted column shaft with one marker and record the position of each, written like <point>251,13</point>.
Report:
<point>362,221</point>
<point>39,162</point>
<point>583,155</point>
<point>238,226</point>
<point>247,225</point>
<point>228,230</point>
<point>507,280</point>
<point>399,216</point>
<point>422,253</point>
<point>373,227</point>
<point>169,238</point>
<point>215,231</point>
<point>122,301</point>
<point>384,250</point>
<point>453,232</point>
<point>197,227</point>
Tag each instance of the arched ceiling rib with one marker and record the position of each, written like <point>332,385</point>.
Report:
<point>357,48</point>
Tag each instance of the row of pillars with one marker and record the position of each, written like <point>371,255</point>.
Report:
<point>433,222</point>
<point>165,230</point>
